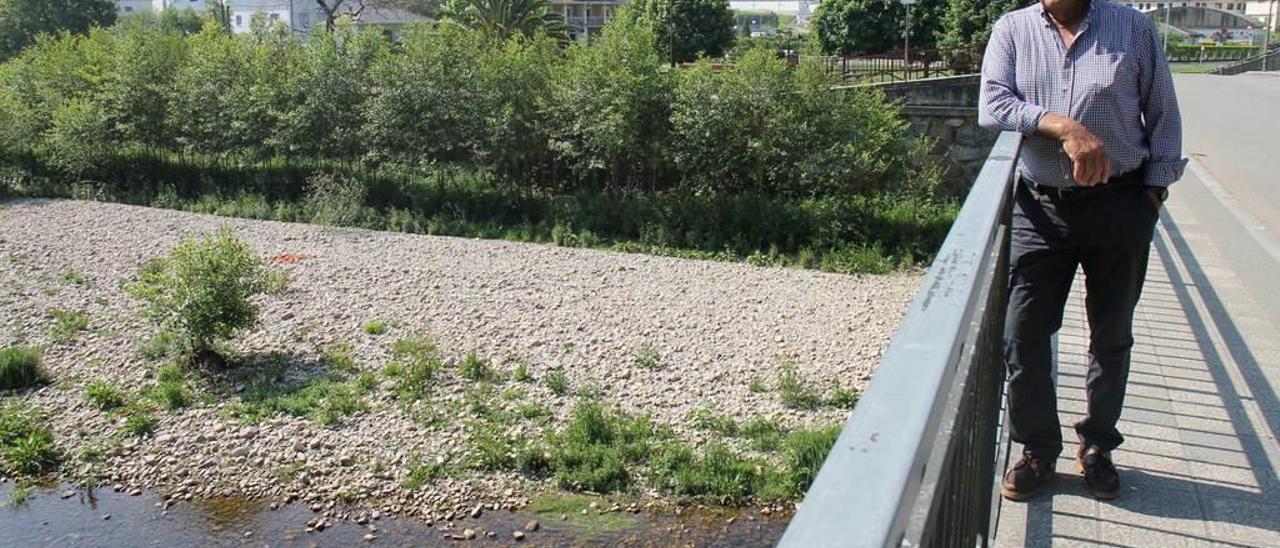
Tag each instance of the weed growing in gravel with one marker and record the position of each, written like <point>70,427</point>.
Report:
<point>26,444</point>
<point>325,399</point>
<point>138,422</point>
<point>705,418</point>
<point>534,412</point>
<point>163,344</point>
<point>173,395</point>
<point>375,327</point>
<point>794,391</point>
<point>420,474</point>
<point>20,367</point>
<point>414,363</point>
<point>203,290</point>
<point>648,357</point>
<point>765,434</point>
<point>340,357</point>
<point>716,474</point>
<point>104,395</point>
<point>72,276</point>
<point>275,281</point>
<point>512,394</point>
<point>802,456</point>
<point>475,368</point>
<point>67,324</point>
<point>557,382</point>
<point>577,510</point>
<point>843,398</point>
<point>757,386</point>
<point>592,452</point>
<point>521,374</point>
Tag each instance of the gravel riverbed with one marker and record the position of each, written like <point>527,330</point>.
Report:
<point>587,313</point>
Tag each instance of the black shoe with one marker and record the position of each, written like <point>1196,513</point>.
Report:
<point>1027,477</point>
<point>1100,476</point>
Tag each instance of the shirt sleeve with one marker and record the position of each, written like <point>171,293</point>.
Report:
<point>1000,105</point>
<point>1162,122</point>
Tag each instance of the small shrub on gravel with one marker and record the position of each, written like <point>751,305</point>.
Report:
<point>20,367</point>
<point>522,374</point>
<point>67,324</point>
<point>757,386</point>
<point>325,400</point>
<point>104,395</point>
<point>843,398</point>
<point>794,391</point>
<point>26,445</point>
<point>475,368</point>
<point>717,475</point>
<point>414,364</point>
<point>419,474</point>
<point>376,327</point>
<point>203,291</point>
<point>163,344</point>
<point>592,452</point>
<point>340,357</point>
<point>72,276</point>
<point>138,422</point>
<point>706,418</point>
<point>557,382</point>
<point>648,357</point>
<point>802,456</point>
<point>171,395</point>
<point>765,434</point>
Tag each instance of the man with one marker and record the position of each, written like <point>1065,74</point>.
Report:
<point>1087,82</point>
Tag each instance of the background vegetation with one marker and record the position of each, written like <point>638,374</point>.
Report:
<point>457,131</point>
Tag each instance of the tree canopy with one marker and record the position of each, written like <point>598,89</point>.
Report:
<point>874,26</point>
<point>503,19</point>
<point>22,20</point>
<point>700,27</point>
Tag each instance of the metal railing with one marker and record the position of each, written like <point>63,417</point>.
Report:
<point>1263,62</point>
<point>897,66</point>
<point>917,463</point>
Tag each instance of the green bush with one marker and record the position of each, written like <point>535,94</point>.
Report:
<point>20,367</point>
<point>414,364</point>
<point>104,395</point>
<point>794,391</point>
<point>203,290</point>
<point>26,446</point>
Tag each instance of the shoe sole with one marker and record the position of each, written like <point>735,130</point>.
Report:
<point>1097,494</point>
<point>1020,497</point>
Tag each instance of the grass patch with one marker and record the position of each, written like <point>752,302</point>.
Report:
<point>340,357</point>
<point>375,327</point>
<point>766,435</point>
<point>324,399</point>
<point>421,474</point>
<point>794,391</point>
<point>163,344</point>
<point>72,276</point>
<point>106,396</point>
<point>705,418</point>
<point>843,398</point>
<point>275,281</point>
<point>138,422</point>
<point>647,357</point>
<point>802,456</point>
<point>717,474</point>
<point>26,445</point>
<point>19,496</point>
<point>67,324</point>
<point>551,506</point>
<point>20,367</point>
<point>557,382</point>
<point>521,373</point>
<point>414,364</point>
<point>757,386</point>
<point>475,368</point>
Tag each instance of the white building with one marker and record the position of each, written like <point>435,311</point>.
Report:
<point>299,15</point>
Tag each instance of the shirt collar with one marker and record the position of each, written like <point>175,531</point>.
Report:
<point>1090,14</point>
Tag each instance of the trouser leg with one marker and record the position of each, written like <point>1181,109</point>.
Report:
<point>1042,266</point>
<point>1114,269</point>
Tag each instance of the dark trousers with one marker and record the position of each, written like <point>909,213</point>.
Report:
<point>1108,233</point>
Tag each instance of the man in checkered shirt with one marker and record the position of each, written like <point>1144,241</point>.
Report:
<point>1087,82</point>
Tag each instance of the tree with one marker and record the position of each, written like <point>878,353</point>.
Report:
<point>22,20</point>
<point>691,27</point>
<point>502,19</point>
<point>873,26</point>
<point>966,22</point>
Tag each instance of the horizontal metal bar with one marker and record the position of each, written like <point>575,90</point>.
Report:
<point>866,488</point>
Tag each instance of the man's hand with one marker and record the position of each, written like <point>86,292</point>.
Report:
<point>1089,160</point>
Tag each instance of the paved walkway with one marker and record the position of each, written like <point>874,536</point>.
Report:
<point>1201,461</point>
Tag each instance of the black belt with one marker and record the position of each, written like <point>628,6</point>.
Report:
<point>1124,180</point>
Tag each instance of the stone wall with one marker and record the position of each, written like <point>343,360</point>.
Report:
<point>947,110</point>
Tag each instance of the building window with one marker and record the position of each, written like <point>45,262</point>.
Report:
<point>130,8</point>
<point>275,17</point>
<point>239,20</point>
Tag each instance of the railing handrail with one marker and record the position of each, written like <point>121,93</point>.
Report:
<point>870,483</point>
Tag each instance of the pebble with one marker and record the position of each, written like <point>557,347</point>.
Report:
<point>468,534</point>
<point>532,526</point>
<point>518,535</point>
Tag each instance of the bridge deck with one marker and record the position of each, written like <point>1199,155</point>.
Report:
<point>1201,461</point>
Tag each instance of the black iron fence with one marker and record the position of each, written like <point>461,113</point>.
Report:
<point>1262,62</point>
<point>917,464</point>
<point>901,65</point>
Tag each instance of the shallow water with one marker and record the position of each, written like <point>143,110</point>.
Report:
<point>108,518</point>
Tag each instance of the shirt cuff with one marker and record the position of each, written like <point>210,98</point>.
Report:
<point>1165,172</point>
<point>1029,118</point>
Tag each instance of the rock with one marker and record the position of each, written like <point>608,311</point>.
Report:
<point>490,534</point>
<point>106,517</point>
<point>68,494</point>
<point>468,534</point>
<point>518,535</point>
<point>531,526</point>
<point>477,512</point>
<point>370,537</point>
<point>135,492</point>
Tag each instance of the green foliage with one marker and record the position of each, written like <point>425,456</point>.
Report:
<point>557,382</point>
<point>138,422</point>
<point>72,276</point>
<point>414,363</point>
<point>794,391</point>
<point>647,357</point>
<point>766,435</point>
<point>874,26</point>
<point>26,445</point>
<point>323,399</point>
<point>339,356</point>
<point>693,28</point>
<point>475,368</point>
<point>171,390</point>
<point>968,22</point>
<point>757,385</point>
<point>843,398</point>
<point>374,327</point>
<point>802,456</point>
<point>203,289</point>
<point>161,345</point>
<point>20,367</point>
<point>21,21</point>
<point>67,324</point>
<point>522,374</point>
<point>504,19</point>
<point>706,418</point>
<point>104,395</point>
<point>592,452</point>
<point>420,475</point>
<point>19,495</point>
<point>716,474</point>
